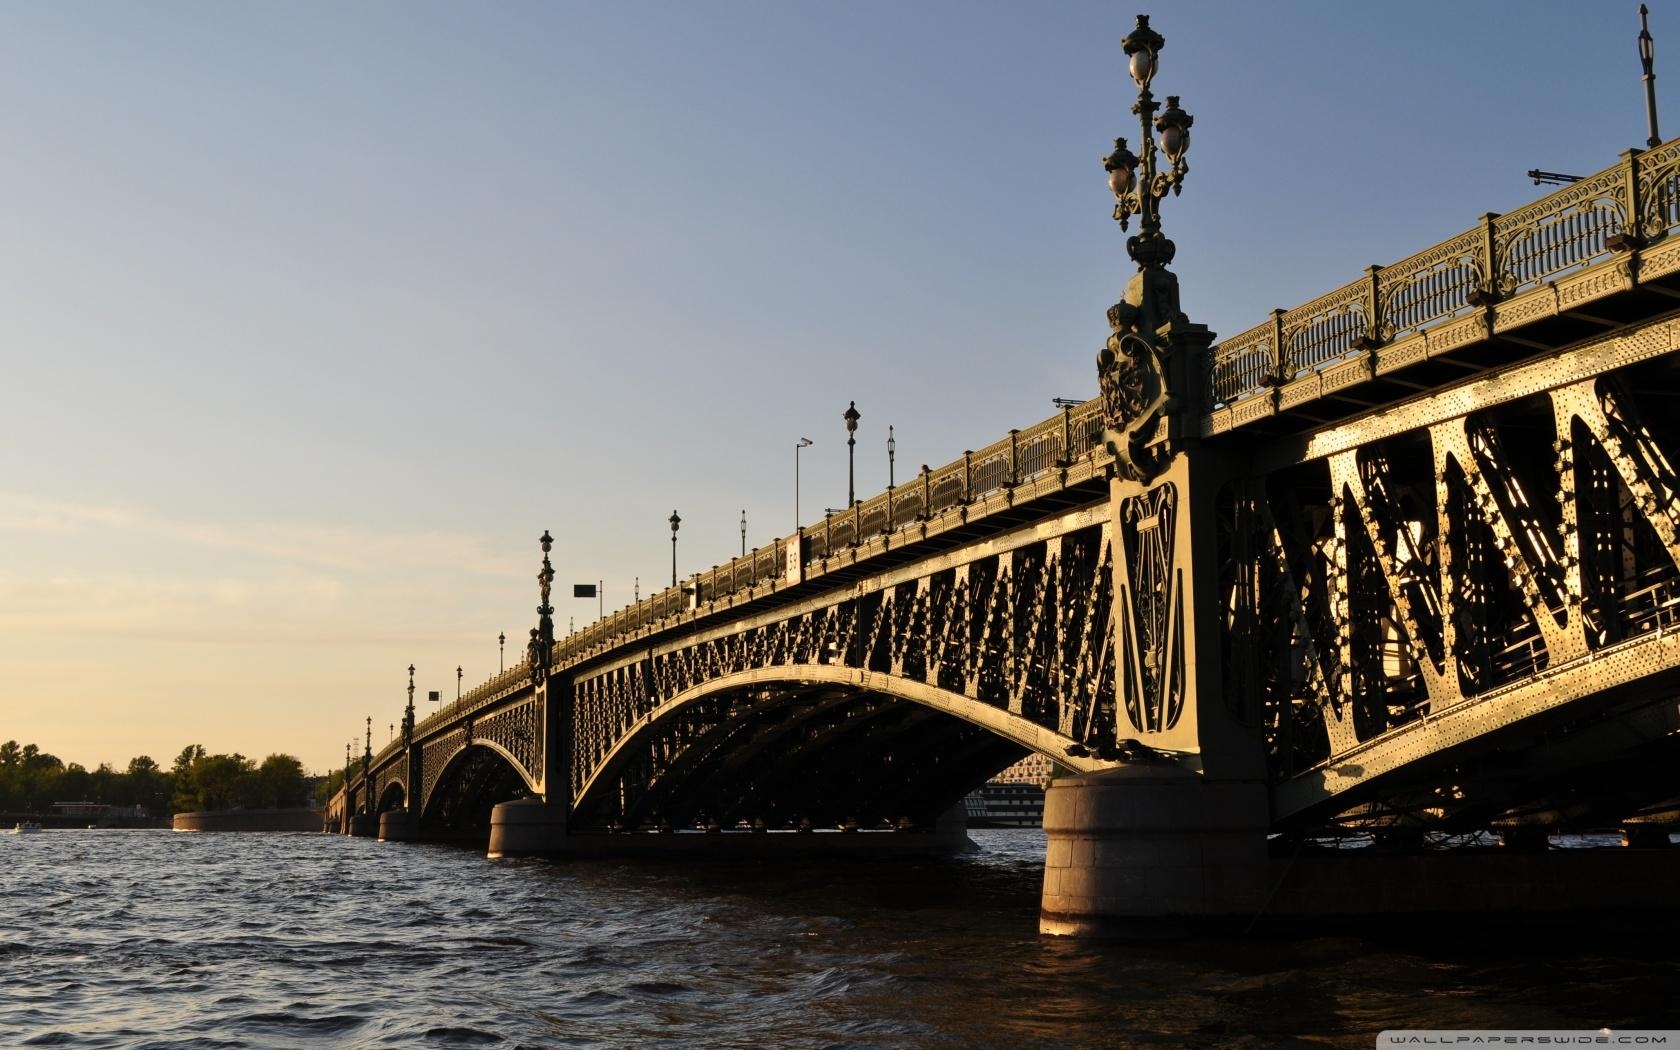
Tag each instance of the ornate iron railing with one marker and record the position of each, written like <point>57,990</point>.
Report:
<point>1625,206</point>
<point>1019,458</point>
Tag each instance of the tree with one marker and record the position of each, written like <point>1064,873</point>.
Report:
<point>184,761</point>
<point>184,793</point>
<point>73,783</point>
<point>280,782</point>
<point>11,776</point>
<point>148,784</point>
<point>216,782</point>
<point>40,773</point>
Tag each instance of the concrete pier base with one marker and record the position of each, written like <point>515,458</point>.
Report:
<point>1151,850</point>
<point>364,825</point>
<point>248,820</point>
<point>398,825</point>
<point>527,827</point>
<point>950,832</point>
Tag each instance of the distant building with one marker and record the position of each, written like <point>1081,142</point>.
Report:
<point>1034,769</point>
<point>97,811</point>
<point>78,809</point>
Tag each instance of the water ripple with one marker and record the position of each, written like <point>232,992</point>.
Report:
<point>147,941</point>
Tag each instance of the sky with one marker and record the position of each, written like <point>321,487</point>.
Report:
<point>314,316</point>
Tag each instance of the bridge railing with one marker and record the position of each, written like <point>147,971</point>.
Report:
<point>1024,455</point>
<point>1625,206</point>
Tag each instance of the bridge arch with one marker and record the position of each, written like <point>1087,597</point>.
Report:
<point>923,747</point>
<point>392,798</point>
<point>473,777</point>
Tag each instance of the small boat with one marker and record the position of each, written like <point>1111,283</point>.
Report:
<point>26,827</point>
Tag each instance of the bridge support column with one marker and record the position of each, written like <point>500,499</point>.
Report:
<point>527,827</point>
<point>398,825</point>
<point>364,825</point>
<point>1151,850</point>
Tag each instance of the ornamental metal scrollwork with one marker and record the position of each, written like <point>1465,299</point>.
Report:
<point>1132,379</point>
<point>1151,612</point>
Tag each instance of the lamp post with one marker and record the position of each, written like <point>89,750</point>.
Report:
<point>804,443</point>
<point>458,673</point>
<point>675,522</point>
<point>542,635</point>
<point>1137,183</point>
<point>408,713</point>
<point>367,764</point>
<point>501,652</point>
<point>1647,55</point>
<point>892,447</point>
<point>1144,371</point>
<point>851,416</point>
<point>743,532</point>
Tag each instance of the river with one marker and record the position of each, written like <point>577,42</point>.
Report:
<point>152,939</point>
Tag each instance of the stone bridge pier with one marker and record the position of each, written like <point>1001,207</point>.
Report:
<point>1178,829</point>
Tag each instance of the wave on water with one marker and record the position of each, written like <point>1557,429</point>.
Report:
<point>134,940</point>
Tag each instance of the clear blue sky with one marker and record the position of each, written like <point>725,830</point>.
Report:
<point>314,316</point>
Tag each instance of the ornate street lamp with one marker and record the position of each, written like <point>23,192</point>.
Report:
<point>545,576</point>
<point>804,443</point>
<point>675,522</point>
<point>408,712</point>
<point>892,447</point>
<point>1647,55</point>
<point>851,416</point>
<point>542,635</point>
<point>1144,370</point>
<point>1135,180</point>
<point>458,673</point>
<point>367,765</point>
<point>743,532</point>
<point>501,652</point>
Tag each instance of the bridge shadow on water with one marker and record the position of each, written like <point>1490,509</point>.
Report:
<point>947,953</point>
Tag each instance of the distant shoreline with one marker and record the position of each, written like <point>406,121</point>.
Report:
<point>60,821</point>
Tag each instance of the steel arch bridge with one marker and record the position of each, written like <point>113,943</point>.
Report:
<point>1408,556</point>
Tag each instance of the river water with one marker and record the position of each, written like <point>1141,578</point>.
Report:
<point>154,939</point>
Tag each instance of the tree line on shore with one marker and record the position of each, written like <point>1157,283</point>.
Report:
<point>31,780</point>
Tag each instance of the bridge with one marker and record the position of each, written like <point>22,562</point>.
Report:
<point>1403,561</point>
